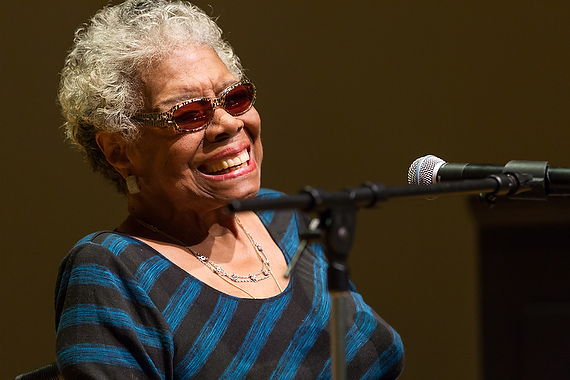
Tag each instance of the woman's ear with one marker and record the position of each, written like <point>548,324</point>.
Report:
<point>114,147</point>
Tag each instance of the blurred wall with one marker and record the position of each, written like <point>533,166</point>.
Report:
<point>348,92</point>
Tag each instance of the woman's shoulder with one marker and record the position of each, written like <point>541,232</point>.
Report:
<point>268,193</point>
<point>111,261</point>
<point>112,240</point>
<point>279,222</point>
<point>283,215</point>
<point>108,249</point>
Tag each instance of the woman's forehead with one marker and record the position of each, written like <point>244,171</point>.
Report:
<point>186,73</point>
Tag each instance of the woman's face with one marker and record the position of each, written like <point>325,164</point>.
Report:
<point>181,170</point>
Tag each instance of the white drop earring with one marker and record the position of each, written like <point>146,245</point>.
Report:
<point>132,184</point>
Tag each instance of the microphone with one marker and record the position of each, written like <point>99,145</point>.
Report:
<point>542,180</point>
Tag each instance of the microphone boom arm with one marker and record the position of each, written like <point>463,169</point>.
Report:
<point>313,199</point>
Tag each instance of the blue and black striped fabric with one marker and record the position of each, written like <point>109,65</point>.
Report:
<point>123,311</point>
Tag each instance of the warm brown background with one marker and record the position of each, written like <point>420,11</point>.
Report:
<point>348,92</point>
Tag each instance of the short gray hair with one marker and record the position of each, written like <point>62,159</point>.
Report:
<point>100,81</point>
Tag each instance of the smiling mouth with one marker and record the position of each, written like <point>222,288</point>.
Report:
<point>227,165</point>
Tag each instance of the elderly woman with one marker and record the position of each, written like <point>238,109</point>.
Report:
<point>159,104</point>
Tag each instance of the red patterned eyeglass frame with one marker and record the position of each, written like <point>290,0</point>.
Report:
<point>236,100</point>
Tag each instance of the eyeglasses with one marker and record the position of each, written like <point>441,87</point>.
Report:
<point>195,114</point>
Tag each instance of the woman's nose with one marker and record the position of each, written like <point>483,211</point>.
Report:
<point>223,125</point>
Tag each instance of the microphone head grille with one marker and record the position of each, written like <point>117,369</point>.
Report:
<point>423,171</point>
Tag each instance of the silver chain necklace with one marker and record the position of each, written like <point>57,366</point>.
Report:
<point>263,274</point>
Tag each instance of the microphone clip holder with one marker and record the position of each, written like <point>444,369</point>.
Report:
<point>510,185</point>
<point>532,176</point>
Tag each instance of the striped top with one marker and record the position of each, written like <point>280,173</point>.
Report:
<point>125,311</point>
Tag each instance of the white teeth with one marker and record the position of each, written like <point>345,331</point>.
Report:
<point>227,164</point>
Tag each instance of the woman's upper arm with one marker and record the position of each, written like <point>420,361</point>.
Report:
<point>107,326</point>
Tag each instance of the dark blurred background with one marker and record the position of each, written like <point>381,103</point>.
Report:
<point>348,92</point>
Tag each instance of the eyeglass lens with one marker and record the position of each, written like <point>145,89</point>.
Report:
<point>196,114</point>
